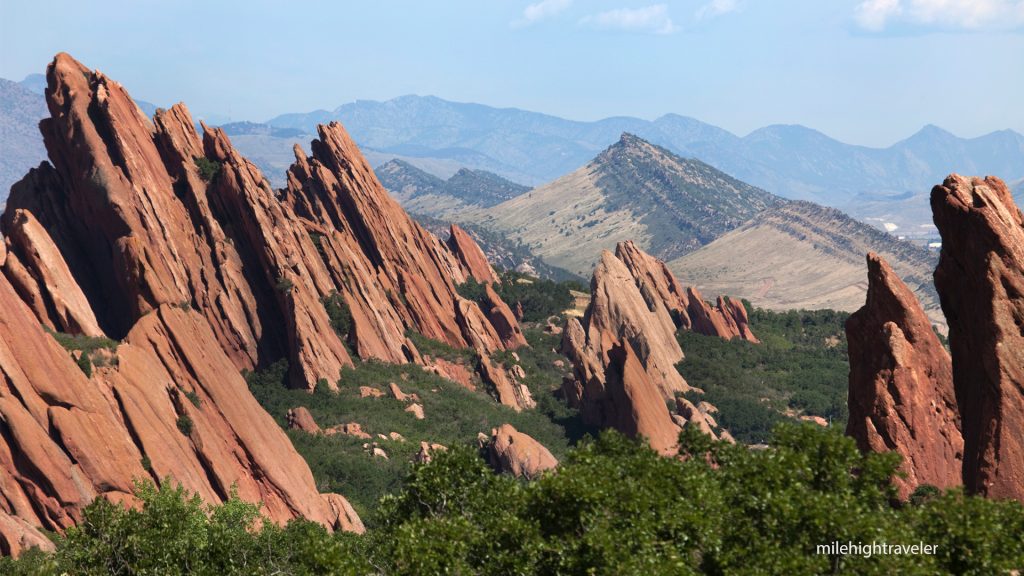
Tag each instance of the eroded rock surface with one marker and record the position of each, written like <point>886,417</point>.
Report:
<point>172,243</point>
<point>624,354</point>
<point>980,280</point>
<point>901,395</point>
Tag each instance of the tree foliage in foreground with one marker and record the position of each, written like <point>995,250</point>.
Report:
<point>613,507</point>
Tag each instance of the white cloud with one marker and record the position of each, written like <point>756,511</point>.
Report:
<point>541,11</point>
<point>716,8</point>
<point>653,19</point>
<point>875,15</point>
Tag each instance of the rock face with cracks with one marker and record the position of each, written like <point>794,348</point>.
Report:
<point>170,242</point>
<point>980,280</point>
<point>901,394</point>
<point>624,353</point>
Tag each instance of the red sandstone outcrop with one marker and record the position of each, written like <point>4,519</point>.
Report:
<point>628,389</point>
<point>507,389</point>
<point>980,280</point>
<point>455,372</point>
<point>175,245</point>
<point>471,256</point>
<point>727,319</point>
<point>512,451</point>
<point>37,270</point>
<point>503,320</point>
<point>901,394</point>
<point>299,418</point>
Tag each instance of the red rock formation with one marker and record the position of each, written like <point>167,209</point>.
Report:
<point>512,451</point>
<point>506,388</point>
<point>455,372</point>
<point>617,390</point>
<point>472,258</point>
<point>176,246</point>
<point>980,280</point>
<point>728,319</point>
<point>638,410</point>
<point>38,272</point>
<point>299,418</point>
<point>504,322</point>
<point>901,384</point>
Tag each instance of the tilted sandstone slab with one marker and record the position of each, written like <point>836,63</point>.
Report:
<point>728,319</point>
<point>638,410</point>
<point>980,280</point>
<point>175,245</point>
<point>517,453</point>
<point>68,439</point>
<point>901,395</point>
<point>471,256</point>
<point>617,390</point>
<point>38,272</point>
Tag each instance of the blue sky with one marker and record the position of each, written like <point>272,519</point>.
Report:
<point>864,71</point>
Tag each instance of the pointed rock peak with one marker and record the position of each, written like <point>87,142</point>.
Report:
<point>888,297</point>
<point>901,384</point>
<point>933,131</point>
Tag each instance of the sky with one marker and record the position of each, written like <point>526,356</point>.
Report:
<point>866,72</point>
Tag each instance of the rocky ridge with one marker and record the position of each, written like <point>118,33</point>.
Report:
<point>174,246</point>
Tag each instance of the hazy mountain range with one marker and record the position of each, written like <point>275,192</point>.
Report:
<point>885,186</point>
<point>789,160</point>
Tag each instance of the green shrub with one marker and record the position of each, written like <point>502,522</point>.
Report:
<point>185,424</point>
<point>613,507</point>
<point>540,298</point>
<point>284,285</point>
<point>800,366</point>
<point>85,364</point>
<point>208,169</point>
<point>339,314</point>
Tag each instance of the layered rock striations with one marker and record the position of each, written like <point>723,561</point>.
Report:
<point>980,280</point>
<point>175,246</point>
<point>727,319</point>
<point>901,395</point>
<point>624,353</point>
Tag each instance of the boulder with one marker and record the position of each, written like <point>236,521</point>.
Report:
<point>416,410</point>
<point>300,419</point>
<point>512,451</point>
<point>370,392</point>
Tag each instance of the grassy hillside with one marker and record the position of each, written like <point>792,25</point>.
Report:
<point>801,255</point>
<point>632,191</point>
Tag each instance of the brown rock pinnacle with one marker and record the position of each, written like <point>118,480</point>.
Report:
<point>624,354</point>
<point>901,394</point>
<point>980,280</point>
